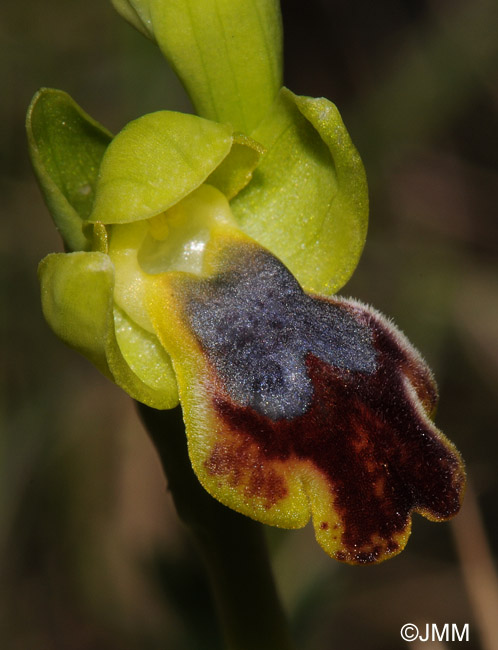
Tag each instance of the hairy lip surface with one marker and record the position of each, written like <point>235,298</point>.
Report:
<point>308,403</point>
<point>257,327</point>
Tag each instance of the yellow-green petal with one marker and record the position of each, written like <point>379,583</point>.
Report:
<point>235,172</point>
<point>77,301</point>
<point>100,237</point>
<point>66,146</point>
<point>308,200</point>
<point>154,162</point>
<point>146,358</point>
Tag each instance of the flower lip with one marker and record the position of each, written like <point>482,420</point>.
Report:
<point>346,437</point>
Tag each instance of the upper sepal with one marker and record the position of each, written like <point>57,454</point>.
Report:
<point>228,53</point>
<point>66,146</point>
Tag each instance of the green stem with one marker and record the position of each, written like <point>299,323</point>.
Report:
<point>232,546</point>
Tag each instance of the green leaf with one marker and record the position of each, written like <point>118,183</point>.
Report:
<point>66,147</point>
<point>154,162</point>
<point>77,301</point>
<point>227,53</point>
<point>308,200</point>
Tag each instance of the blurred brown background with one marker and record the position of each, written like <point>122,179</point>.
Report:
<point>91,555</point>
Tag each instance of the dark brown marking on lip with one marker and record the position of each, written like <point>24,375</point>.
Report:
<point>366,435</point>
<point>238,460</point>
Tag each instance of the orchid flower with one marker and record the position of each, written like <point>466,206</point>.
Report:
<point>204,257</point>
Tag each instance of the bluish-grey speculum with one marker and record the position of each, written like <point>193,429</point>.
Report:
<point>257,327</point>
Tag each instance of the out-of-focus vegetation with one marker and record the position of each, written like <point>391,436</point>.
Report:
<point>91,555</point>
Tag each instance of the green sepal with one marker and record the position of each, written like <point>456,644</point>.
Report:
<point>76,293</point>
<point>77,301</point>
<point>66,146</point>
<point>308,200</point>
<point>227,53</point>
<point>154,162</point>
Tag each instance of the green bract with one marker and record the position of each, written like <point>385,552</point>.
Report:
<point>279,167</point>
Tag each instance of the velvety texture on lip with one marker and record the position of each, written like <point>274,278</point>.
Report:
<point>257,327</point>
<point>298,405</point>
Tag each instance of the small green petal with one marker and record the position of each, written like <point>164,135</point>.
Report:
<point>66,147</point>
<point>131,281</point>
<point>77,300</point>
<point>147,359</point>
<point>236,170</point>
<point>100,237</point>
<point>228,54</point>
<point>154,162</point>
<point>308,200</point>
